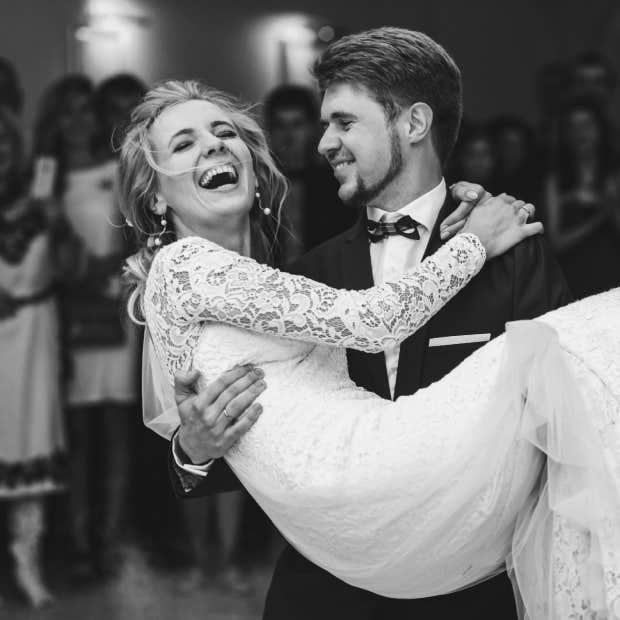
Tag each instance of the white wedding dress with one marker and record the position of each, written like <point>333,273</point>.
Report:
<point>435,491</point>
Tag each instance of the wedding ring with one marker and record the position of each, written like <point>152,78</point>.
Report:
<point>529,214</point>
<point>226,414</point>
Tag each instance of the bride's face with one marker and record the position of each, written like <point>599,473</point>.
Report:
<point>205,173</point>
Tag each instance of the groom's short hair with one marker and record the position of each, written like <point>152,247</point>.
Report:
<point>398,68</point>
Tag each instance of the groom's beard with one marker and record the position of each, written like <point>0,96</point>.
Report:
<point>365,194</point>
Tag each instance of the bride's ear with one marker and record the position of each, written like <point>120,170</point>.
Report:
<point>159,206</point>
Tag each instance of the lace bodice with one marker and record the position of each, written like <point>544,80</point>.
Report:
<point>194,282</point>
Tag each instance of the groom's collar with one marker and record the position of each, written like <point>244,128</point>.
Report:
<point>434,218</point>
<point>424,209</point>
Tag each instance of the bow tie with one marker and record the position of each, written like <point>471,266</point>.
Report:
<point>405,226</point>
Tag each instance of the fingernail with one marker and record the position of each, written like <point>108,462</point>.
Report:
<point>261,384</point>
<point>258,408</point>
<point>471,194</point>
<point>260,372</point>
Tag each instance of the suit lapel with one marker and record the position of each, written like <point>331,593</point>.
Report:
<point>413,350</point>
<point>365,369</point>
<point>356,270</point>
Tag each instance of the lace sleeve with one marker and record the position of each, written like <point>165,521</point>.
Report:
<point>197,280</point>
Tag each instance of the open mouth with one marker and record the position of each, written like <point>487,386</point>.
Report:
<point>341,164</point>
<point>219,177</point>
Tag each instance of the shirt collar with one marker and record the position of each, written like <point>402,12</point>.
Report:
<point>424,209</point>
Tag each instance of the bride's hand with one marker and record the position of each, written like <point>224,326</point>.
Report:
<point>454,223</point>
<point>500,222</point>
<point>468,195</point>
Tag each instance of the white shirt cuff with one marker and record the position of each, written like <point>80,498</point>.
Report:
<point>181,462</point>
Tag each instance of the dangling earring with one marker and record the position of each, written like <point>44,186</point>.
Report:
<point>266,210</point>
<point>156,241</point>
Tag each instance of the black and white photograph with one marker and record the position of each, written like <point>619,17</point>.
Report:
<point>309,310</point>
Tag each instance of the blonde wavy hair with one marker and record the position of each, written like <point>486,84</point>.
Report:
<point>138,179</point>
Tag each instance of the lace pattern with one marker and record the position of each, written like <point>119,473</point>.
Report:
<point>194,281</point>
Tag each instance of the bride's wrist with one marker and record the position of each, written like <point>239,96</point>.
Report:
<point>473,239</point>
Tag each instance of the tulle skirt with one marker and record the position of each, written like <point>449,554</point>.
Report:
<point>524,473</point>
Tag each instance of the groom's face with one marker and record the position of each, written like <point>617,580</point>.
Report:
<point>360,144</point>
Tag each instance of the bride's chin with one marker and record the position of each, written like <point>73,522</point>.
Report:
<point>231,208</point>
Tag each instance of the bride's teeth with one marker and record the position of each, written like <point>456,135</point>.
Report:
<point>205,179</point>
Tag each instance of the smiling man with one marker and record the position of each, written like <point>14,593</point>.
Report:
<point>391,111</point>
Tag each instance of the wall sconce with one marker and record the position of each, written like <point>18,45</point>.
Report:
<point>296,40</point>
<point>110,37</point>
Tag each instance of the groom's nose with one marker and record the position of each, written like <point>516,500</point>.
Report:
<point>329,143</point>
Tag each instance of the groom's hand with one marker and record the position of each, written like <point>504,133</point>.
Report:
<point>213,419</point>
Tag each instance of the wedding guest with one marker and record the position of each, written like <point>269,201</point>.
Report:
<point>582,200</point>
<point>475,157</point>
<point>554,85</point>
<point>11,93</point>
<point>594,77</point>
<point>35,249</point>
<point>101,391</point>
<point>518,160</point>
<point>312,208</point>
<point>115,98</point>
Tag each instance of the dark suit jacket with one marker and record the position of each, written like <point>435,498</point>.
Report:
<point>523,283</point>
<point>326,215</point>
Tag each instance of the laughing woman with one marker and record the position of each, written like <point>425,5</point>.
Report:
<point>410,498</point>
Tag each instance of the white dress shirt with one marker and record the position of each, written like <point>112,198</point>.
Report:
<point>394,255</point>
<point>181,461</point>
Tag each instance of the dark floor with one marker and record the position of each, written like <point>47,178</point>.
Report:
<point>142,591</point>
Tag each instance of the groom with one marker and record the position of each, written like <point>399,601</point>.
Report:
<point>391,111</point>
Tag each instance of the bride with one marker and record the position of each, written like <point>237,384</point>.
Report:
<point>413,498</point>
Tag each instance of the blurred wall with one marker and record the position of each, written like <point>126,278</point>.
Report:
<point>500,45</point>
<point>33,34</point>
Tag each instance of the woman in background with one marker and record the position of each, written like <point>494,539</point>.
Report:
<point>582,200</point>
<point>517,157</point>
<point>475,157</point>
<point>115,98</point>
<point>102,388</point>
<point>35,248</point>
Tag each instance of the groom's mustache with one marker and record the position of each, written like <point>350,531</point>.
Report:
<point>340,158</point>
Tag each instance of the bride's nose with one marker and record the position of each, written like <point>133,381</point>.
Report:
<point>212,145</point>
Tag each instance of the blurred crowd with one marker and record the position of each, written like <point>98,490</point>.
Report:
<point>80,479</point>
